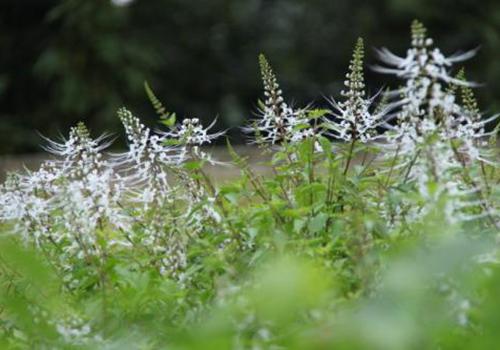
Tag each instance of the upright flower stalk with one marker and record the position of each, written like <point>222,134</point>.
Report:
<point>278,122</point>
<point>351,119</point>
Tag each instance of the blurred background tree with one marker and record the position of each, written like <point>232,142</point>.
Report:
<point>68,60</point>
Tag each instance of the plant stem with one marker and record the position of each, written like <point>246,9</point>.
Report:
<point>349,156</point>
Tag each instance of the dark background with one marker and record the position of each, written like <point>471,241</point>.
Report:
<point>68,60</point>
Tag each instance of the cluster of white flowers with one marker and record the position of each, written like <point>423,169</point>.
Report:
<point>427,106</point>
<point>278,122</point>
<point>434,135</point>
<point>150,158</point>
<point>89,193</point>
<point>81,187</point>
<point>352,118</point>
<point>146,161</point>
<point>189,136</point>
<point>26,201</point>
<point>145,169</point>
<point>75,200</point>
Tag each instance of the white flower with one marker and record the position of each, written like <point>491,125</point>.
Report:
<point>146,162</point>
<point>189,136</point>
<point>191,132</point>
<point>352,118</point>
<point>426,106</point>
<point>278,122</point>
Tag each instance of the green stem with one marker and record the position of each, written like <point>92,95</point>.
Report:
<point>349,156</point>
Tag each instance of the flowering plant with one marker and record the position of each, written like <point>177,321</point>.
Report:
<point>149,241</point>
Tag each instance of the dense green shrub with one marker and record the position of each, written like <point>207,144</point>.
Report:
<point>376,228</point>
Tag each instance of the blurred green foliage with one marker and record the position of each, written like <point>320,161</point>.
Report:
<point>286,302</point>
<point>69,60</point>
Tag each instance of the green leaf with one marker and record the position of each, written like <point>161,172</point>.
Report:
<point>317,113</point>
<point>194,165</point>
<point>317,223</point>
<point>169,120</point>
